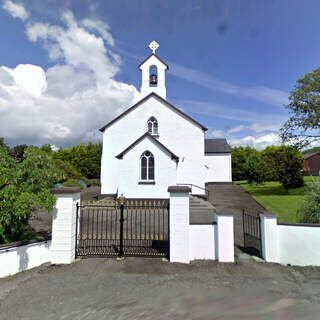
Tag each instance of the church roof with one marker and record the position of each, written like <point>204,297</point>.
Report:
<point>147,134</point>
<point>152,94</point>
<point>216,146</point>
<point>153,54</point>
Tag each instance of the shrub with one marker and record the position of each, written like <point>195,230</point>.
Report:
<point>309,211</point>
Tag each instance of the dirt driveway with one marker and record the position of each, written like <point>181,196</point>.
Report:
<point>153,289</point>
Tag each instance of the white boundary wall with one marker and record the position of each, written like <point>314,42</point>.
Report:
<point>20,258</point>
<point>294,244</point>
<point>202,242</point>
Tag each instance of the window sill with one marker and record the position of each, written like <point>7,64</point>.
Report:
<point>147,182</point>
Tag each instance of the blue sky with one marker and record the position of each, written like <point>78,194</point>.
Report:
<point>232,64</point>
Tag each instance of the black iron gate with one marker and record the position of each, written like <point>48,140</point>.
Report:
<point>123,227</point>
<point>252,232</point>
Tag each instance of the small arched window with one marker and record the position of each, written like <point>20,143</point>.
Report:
<point>147,166</point>
<point>152,126</point>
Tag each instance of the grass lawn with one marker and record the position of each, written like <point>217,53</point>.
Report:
<point>272,196</point>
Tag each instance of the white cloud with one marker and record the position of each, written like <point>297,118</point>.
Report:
<point>101,27</point>
<point>217,133</point>
<point>237,129</point>
<point>259,142</point>
<point>76,45</point>
<point>261,93</point>
<point>260,127</point>
<point>16,10</point>
<point>70,101</point>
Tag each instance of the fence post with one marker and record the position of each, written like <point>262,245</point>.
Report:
<point>64,225</point>
<point>269,237</point>
<point>225,237</point>
<point>179,224</point>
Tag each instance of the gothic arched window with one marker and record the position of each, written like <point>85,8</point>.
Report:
<point>152,126</point>
<point>147,166</point>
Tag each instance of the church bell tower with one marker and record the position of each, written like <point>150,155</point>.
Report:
<point>153,74</point>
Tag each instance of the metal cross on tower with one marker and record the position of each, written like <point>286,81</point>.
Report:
<point>153,46</point>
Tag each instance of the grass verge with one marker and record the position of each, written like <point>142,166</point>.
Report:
<point>273,197</point>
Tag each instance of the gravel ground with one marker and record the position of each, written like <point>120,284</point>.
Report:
<point>137,288</point>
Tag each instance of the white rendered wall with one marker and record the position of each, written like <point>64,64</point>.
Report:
<point>299,245</point>
<point>165,172</point>
<point>179,135</point>
<point>17,259</point>
<point>218,167</point>
<point>202,242</point>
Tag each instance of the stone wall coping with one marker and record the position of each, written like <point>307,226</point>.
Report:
<point>314,225</point>
<point>66,190</point>
<point>179,189</point>
<point>16,244</point>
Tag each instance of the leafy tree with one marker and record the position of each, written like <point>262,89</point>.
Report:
<point>85,158</point>
<point>18,152</point>
<point>309,211</point>
<point>3,145</point>
<point>303,126</point>
<point>47,148</point>
<point>289,167</point>
<point>255,168</point>
<point>24,187</point>
<point>239,157</point>
<point>270,157</point>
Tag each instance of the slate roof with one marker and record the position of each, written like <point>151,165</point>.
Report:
<point>152,94</point>
<point>216,146</point>
<point>310,155</point>
<point>147,134</point>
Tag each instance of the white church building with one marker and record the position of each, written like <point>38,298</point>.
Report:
<point>153,144</point>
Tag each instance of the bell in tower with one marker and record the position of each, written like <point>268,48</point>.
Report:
<point>153,79</point>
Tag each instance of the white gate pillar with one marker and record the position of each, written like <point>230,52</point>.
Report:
<point>269,236</point>
<point>179,224</point>
<point>64,225</point>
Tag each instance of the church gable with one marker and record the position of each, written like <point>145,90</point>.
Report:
<point>162,101</point>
